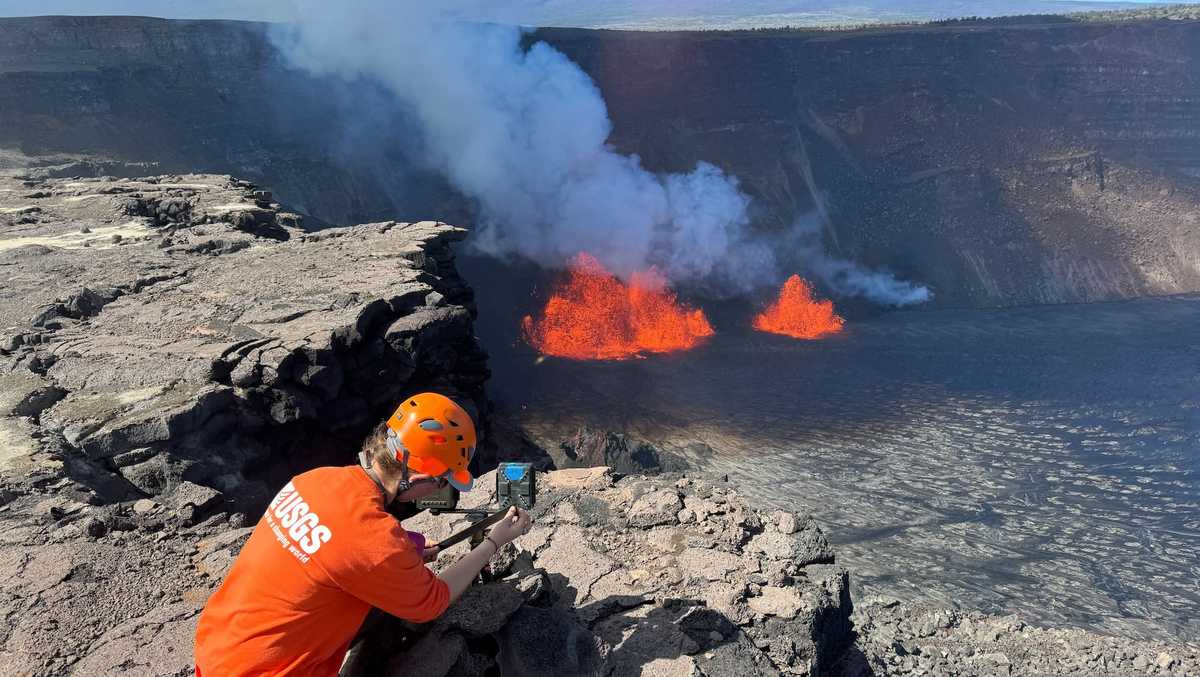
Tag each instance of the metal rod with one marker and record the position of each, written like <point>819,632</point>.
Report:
<point>474,528</point>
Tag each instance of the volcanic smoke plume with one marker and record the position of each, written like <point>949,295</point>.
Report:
<point>523,133</point>
<point>797,314</point>
<point>847,278</point>
<point>592,315</point>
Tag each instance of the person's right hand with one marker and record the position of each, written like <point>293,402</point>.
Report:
<point>512,525</point>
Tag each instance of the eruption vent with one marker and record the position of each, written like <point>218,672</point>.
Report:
<point>795,313</point>
<point>593,315</point>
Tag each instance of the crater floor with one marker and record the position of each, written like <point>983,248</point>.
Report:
<point>1039,460</point>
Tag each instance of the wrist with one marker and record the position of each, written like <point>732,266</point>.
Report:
<point>495,544</point>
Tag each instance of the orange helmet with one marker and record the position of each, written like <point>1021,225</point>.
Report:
<point>433,435</point>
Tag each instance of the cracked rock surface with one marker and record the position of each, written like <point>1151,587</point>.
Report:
<point>178,329</point>
<point>718,588</point>
<point>900,638</point>
<point>617,578</point>
<point>172,348</point>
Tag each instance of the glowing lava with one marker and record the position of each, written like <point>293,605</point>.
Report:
<point>795,313</point>
<point>593,315</point>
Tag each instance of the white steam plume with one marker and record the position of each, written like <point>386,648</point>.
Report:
<point>523,133</point>
<point>846,278</point>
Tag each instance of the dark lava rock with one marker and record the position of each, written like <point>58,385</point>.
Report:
<point>150,476</point>
<point>592,448</point>
<point>95,527</point>
<point>548,643</point>
<point>189,344</point>
<point>903,638</point>
<point>483,609</point>
<point>163,359</point>
<point>433,655</point>
<point>200,497</point>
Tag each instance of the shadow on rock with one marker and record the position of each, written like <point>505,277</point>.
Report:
<point>548,642</point>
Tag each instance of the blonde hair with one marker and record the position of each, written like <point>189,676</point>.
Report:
<point>376,448</point>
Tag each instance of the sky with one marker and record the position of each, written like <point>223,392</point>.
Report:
<point>558,12</point>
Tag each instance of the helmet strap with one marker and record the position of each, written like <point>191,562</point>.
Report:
<point>364,459</point>
<point>401,454</point>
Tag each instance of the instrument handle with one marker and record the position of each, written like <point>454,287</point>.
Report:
<point>474,528</point>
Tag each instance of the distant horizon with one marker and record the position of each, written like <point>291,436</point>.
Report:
<point>614,14</point>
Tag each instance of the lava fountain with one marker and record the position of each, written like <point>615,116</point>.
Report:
<point>797,314</point>
<point>593,315</point>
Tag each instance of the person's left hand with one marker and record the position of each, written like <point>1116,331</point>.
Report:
<point>430,554</point>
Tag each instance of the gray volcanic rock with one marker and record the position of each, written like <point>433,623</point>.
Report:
<point>899,638</point>
<point>589,448</point>
<point>603,596</point>
<point>185,326</point>
<point>182,338</point>
<point>548,643</point>
<point>618,593</point>
<point>121,601</point>
<point>997,163</point>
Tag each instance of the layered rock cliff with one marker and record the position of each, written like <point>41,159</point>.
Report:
<point>172,349</point>
<point>1039,162</point>
<point>131,96</point>
<point>176,330</point>
<point>1024,162</point>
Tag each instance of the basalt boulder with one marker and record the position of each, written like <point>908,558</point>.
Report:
<point>589,448</point>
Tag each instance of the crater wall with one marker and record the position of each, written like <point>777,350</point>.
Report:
<point>1044,161</point>
<point>1035,163</point>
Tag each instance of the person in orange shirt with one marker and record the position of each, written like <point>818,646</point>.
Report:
<point>326,551</point>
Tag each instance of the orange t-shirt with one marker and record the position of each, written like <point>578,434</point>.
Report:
<point>324,553</point>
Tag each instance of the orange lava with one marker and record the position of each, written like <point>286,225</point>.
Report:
<point>592,315</point>
<point>795,313</point>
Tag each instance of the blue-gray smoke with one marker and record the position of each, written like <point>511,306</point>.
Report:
<point>523,133</point>
<point>847,279</point>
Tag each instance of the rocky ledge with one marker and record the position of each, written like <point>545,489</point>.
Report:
<point>902,638</point>
<point>673,575</point>
<point>172,348</point>
<point>166,332</point>
<point>654,575</point>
